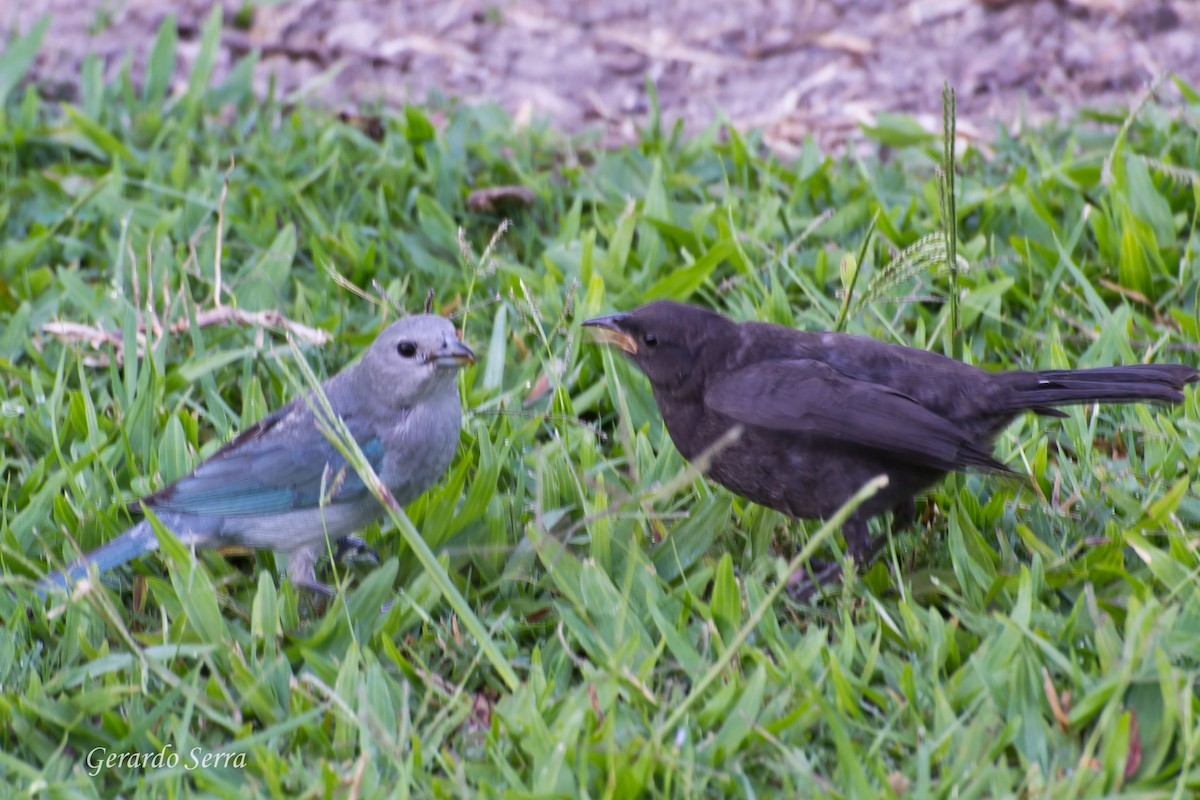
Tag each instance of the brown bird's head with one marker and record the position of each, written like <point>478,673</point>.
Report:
<point>666,340</point>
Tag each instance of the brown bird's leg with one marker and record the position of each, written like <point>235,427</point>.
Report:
<point>858,539</point>
<point>802,588</point>
<point>904,515</point>
<point>859,545</point>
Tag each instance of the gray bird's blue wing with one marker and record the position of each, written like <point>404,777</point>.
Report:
<point>272,467</point>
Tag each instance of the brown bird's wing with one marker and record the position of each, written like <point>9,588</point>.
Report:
<point>812,398</point>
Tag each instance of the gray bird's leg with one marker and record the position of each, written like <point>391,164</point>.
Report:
<point>302,572</point>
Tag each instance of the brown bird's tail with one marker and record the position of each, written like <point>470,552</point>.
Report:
<point>1139,383</point>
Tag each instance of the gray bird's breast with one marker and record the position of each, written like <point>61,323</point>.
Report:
<point>420,446</point>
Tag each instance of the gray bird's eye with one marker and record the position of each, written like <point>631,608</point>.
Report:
<point>650,339</point>
<point>406,349</point>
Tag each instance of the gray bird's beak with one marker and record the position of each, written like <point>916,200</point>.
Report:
<point>453,354</point>
<point>608,330</point>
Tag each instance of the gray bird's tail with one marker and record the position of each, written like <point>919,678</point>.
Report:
<point>1041,391</point>
<point>129,545</point>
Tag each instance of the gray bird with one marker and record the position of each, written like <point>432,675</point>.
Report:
<point>263,489</point>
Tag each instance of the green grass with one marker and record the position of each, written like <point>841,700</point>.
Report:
<point>1033,637</point>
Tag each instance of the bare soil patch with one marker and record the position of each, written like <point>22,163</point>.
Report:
<point>788,68</point>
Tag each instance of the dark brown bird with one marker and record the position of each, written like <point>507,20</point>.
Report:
<point>823,413</point>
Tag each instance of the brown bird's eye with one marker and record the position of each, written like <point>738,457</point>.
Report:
<point>650,339</point>
<point>406,349</point>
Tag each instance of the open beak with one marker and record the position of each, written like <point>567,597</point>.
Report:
<point>453,354</point>
<point>608,330</point>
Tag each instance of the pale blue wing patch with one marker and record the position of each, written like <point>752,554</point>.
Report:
<point>270,469</point>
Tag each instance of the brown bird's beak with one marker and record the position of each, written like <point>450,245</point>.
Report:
<point>453,354</point>
<point>608,330</point>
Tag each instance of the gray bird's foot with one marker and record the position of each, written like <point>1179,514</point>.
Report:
<point>302,573</point>
<point>354,547</point>
<point>348,549</point>
<point>318,589</point>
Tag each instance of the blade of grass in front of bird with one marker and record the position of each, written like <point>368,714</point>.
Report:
<point>950,217</point>
<point>840,324</point>
<point>824,532</point>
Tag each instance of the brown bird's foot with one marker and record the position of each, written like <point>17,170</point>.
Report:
<point>803,586</point>
<point>352,547</point>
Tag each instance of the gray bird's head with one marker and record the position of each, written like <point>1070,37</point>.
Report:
<point>670,342</point>
<point>414,357</point>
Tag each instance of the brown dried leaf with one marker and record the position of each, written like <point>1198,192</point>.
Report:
<point>493,199</point>
<point>539,390</point>
<point>661,45</point>
<point>369,125</point>
<point>898,782</point>
<point>1052,697</point>
<point>481,713</point>
<point>846,42</point>
<point>595,703</point>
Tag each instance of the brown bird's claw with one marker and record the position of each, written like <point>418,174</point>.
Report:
<point>804,586</point>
